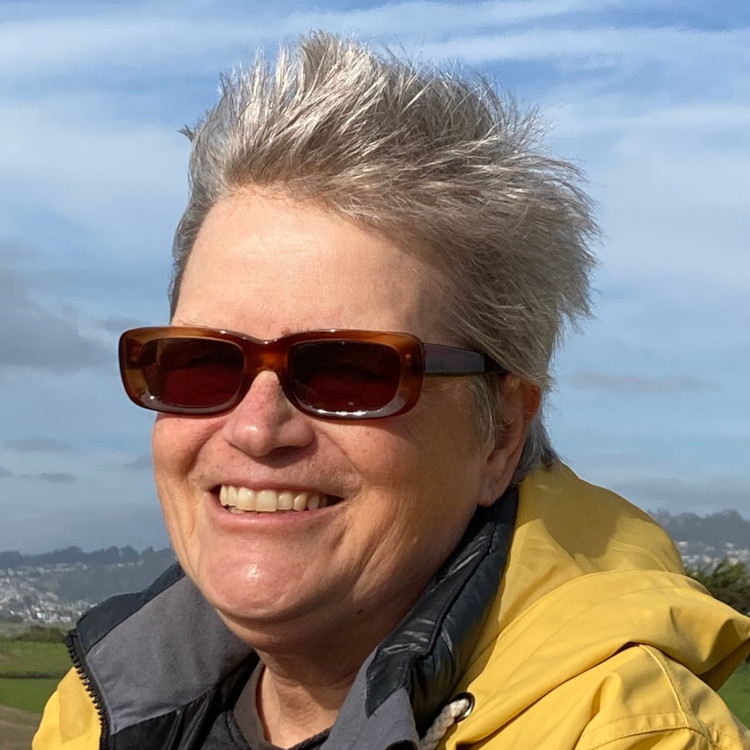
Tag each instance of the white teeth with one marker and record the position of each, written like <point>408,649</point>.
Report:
<point>246,499</point>
<point>268,501</point>
<point>243,499</point>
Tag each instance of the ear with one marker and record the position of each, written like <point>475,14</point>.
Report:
<point>520,403</point>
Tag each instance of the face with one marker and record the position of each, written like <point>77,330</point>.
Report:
<point>399,492</point>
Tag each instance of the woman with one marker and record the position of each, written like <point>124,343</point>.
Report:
<point>378,546</point>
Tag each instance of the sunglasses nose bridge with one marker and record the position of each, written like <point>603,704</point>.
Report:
<point>261,356</point>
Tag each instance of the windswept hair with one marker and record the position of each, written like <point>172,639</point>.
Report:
<point>438,162</point>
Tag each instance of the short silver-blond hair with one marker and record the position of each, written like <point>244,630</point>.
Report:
<point>439,162</point>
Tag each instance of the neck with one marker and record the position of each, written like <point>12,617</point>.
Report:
<point>295,705</point>
<point>309,671</point>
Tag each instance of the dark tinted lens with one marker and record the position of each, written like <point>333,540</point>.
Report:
<point>192,372</point>
<point>344,376</point>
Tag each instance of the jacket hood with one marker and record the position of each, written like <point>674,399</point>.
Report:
<point>588,576</point>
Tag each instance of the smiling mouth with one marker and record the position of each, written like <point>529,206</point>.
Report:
<point>244,500</point>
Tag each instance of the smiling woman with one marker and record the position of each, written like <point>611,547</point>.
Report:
<point>378,546</point>
<point>404,489</point>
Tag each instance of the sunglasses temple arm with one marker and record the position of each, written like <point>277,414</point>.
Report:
<point>449,360</point>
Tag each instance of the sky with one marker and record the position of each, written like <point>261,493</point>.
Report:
<point>650,97</point>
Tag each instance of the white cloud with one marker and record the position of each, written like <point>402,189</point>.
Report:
<point>142,462</point>
<point>56,477</point>
<point>598,46</point>
<point>37,445</point>
<point>34,336</point>
<point>671,179</point>
<point>175,37</point>
<point>69,155</point>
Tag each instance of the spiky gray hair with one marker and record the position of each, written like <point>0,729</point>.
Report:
<point>440,163</point>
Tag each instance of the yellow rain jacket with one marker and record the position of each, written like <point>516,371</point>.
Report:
<point>595,639</point>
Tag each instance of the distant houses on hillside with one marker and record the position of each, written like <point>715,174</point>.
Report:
<point>57,587</point>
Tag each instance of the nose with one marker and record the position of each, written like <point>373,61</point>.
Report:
<point>264,422</point>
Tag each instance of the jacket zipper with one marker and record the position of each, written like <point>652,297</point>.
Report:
<point>72,641</point>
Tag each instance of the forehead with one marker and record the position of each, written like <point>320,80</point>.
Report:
<point>269,265</point>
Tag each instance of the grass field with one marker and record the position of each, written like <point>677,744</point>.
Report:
<point>21,659</point>
<point>27,694</point>
<point>29,673</point>
<point>736,693</point>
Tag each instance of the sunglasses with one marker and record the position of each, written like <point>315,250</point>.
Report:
<point>333,374</point>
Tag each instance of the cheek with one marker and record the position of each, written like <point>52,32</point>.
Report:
<point>421,502</point>
<point>175,443</point>
<point>428,469</point>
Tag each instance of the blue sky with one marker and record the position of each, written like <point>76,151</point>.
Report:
<point>650,97</point>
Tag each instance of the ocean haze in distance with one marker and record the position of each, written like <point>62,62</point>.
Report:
<point>651,99</point>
